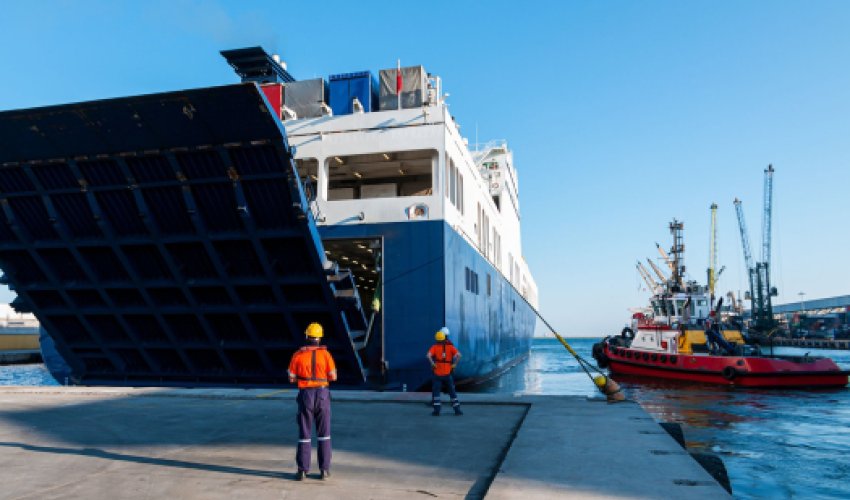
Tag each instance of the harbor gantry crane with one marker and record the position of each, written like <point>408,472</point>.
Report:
<point>761,292</point>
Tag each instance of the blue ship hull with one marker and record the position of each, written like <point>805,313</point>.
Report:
<point>425,288</point>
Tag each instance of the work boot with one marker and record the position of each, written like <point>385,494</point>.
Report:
<point>436,412</point>
<point>457,411</point>
<point>300,475</point>
<point>326,474</point>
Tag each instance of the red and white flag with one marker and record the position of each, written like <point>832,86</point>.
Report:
<point>398,79</point>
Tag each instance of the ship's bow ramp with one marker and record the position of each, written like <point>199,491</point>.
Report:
<point>166,239</point>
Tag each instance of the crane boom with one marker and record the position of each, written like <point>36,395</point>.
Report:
<point>745,240</point>
<point>647,278</point>
<point>768,212</point>
<point>666,257</point>
<point>657,270</point>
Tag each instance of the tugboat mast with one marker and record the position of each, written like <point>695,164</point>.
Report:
<point>677,253</point>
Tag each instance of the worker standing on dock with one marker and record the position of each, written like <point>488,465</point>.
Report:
<point>443,357</point>
<point>313,368</point>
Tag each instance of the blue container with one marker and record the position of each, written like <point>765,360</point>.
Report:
<point>346,86</point>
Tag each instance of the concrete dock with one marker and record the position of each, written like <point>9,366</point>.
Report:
<point>125,443</point>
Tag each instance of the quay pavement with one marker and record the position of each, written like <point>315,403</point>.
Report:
<point>134,443</point>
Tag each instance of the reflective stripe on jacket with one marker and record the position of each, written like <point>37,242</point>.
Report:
<point>312,366</point>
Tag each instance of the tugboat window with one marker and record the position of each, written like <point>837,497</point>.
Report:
<point>389,174</point>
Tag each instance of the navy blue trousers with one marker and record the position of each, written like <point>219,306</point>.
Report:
<point>314,406</point>
<point>437,387</point>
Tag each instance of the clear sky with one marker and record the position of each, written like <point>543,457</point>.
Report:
<point>622,115</point>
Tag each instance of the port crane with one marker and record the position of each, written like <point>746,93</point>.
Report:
<point>652,286</point>
<point>658,272</point>
<point>713,272</point>
<point>666,257</point>
<point>763,323</point>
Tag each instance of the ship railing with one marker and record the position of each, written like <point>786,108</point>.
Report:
<point>481,150</point>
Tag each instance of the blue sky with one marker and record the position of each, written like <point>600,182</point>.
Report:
<point>622,115</point>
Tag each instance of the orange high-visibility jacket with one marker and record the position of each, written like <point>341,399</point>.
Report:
<point>444,355</point>
<point>312,366</point>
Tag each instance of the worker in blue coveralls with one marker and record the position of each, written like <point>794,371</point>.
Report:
<point>313,368</point>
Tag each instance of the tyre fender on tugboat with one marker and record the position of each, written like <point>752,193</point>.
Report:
<point>602,360</point>
<point>627,333</point>
<point>729,373</point>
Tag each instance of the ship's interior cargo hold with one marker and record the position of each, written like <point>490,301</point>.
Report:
<point>414,86</point>
<point>347,87</point>
<point>363,259</point>
<point>380,175</point>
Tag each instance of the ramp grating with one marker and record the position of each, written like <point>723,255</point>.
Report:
<point>166,239</point>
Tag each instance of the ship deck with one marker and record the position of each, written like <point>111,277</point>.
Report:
<point>95,443</point>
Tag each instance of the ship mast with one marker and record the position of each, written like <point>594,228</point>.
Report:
<point>677,253</point>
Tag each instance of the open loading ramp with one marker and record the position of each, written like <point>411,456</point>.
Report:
<point>166,239</point>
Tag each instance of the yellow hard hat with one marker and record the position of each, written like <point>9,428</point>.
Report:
<point>314,330</point>
<point>600,381</point>
<point>440,336</point>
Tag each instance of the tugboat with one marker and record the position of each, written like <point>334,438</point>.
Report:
<point>680,336</point>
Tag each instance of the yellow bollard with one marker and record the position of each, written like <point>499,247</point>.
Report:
<point>609,388</point>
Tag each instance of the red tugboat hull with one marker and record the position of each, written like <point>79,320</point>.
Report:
<point>742,371</point>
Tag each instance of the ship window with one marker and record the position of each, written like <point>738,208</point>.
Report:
<point>471,280</point>
<point>454,185</point>
<point>308,169</point>
<point>460,192</point>
<point>380,175</point>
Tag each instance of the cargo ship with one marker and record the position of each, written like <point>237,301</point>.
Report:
<point>187,238</point>
<point>685,335</point>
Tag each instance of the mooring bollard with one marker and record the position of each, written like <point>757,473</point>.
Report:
<point>611,389</point>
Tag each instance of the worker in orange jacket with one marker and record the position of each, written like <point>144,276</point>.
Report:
<point>443,356</point>
<point>313,367</point>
